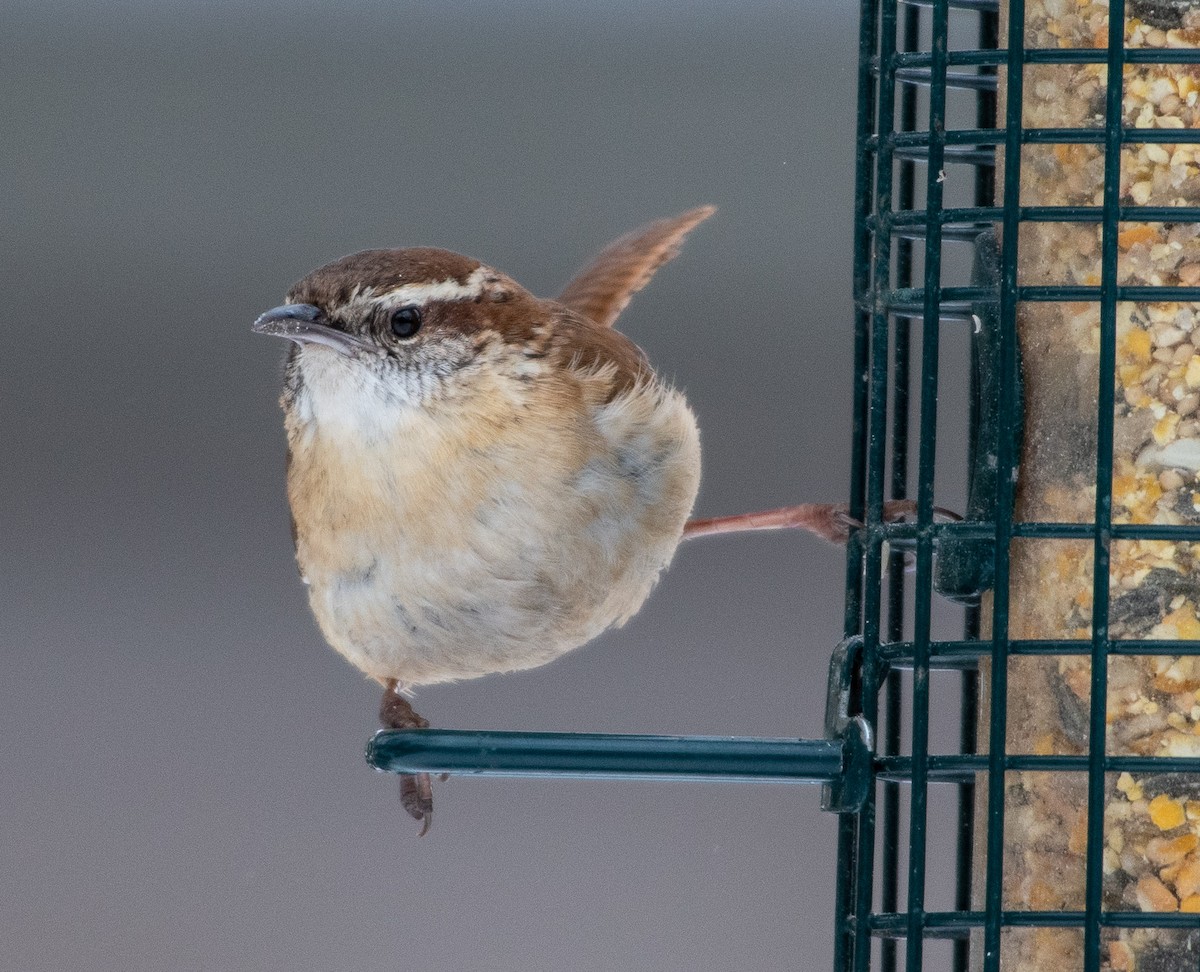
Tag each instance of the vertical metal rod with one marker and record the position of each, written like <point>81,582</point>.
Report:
<point>844,892</point>
<point>1005,493</point>
<point>849,825</point>
<point>965,843</point>
<point>889,897</point>
<point>985,193</point>
<point>1097,735</point>
<point>927,453</point>
<point>876,458</point>
<point>898,489</point>
<point>864,185</point>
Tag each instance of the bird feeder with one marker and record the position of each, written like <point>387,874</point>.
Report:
<point>1058,141</point>
<point>1028,188</point>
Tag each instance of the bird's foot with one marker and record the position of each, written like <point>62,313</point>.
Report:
<point>416,796</point>
<point>831,521</point>
<point>894,511</point>
<point>836,524</point>
<point>416,789</point>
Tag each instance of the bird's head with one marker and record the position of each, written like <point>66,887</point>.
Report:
<point>402,322</point>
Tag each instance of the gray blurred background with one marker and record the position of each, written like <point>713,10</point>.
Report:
<point>183,780</point>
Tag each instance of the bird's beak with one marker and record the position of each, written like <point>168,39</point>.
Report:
<point>304,324</point>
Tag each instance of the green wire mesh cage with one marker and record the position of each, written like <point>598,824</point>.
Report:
<point>1027,175</point>
<point>1028,188</point>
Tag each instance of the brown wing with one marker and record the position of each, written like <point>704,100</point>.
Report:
<point>601,290</point>
<point>581,344</point>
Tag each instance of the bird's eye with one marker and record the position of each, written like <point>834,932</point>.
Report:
<point>406,321</point>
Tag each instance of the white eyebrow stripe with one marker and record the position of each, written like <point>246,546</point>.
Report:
<point>422,293</point>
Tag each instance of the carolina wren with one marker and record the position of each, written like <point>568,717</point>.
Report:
<point>480,479</point>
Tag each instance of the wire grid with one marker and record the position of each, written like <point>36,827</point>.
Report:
<point>905,149</point>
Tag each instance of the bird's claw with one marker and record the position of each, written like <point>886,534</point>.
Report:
<point>416,789</point>
<point>895,511</point>
<point>416,796</point>
<point>841,524</point>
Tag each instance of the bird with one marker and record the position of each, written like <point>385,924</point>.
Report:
<point>481,480</point>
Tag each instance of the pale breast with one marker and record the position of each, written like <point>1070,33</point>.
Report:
<point>487,535</point>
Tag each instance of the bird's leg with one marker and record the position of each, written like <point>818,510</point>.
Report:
<point>416,790</point>
<point>829,520</point>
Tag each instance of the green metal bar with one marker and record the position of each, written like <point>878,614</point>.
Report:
<point>915,298</point>
<point>899,653</point>
<point>971,217</point>
<point>1098,136</point>
<point>964,921</point>
<point>993,888</point>
<point>863,236</point>
<point>1037,136</point>
<point>1097,734</point>
<point>1139,294</point>
<point>927,453</point>
<point>916,138</point>
<point>845,891</point>
<point>875,449</point>
<point>1046,55</point>
<point>608,756</point>
<point>900,533</point>
<point>951,767</point>
<point>957,301</point>
<point>965,838</point>
<point>1119,531</point>
<point>889,855</point>
<point>955,59</point>
<point>907,533</point>
<point>985,194</point>
<point>980,6</point>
